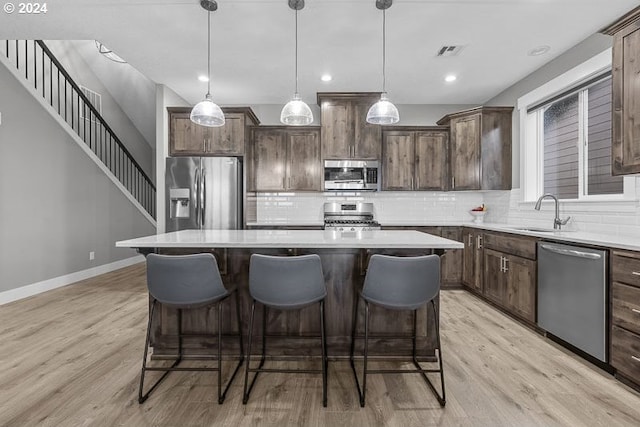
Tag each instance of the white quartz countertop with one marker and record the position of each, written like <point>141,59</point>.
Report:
<point>381,239</point>
<point>568,236</point>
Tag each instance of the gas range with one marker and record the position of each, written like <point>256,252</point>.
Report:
<point>349,216</point>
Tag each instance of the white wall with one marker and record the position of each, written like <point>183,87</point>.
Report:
<point>117,119</point>
<point>56,205</point>
<point>606,217</point>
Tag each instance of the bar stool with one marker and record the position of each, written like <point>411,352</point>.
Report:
<point>184,282</point>
<point>400,283</point>
<point>285,283</point>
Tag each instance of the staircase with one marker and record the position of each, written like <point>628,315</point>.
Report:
<point>50,81</point>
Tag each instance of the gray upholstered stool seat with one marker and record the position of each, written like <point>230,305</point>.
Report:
<point>285,283</point>
<point>185,282</point>
<point>400,283</point>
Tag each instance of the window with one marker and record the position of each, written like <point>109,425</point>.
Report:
<point>572,132</point>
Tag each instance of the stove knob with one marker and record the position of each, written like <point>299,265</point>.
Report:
<point>353,229</point>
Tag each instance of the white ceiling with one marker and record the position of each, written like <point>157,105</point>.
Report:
<point>253,43</point>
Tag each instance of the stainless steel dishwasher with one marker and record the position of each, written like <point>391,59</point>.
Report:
<point>572,296</point>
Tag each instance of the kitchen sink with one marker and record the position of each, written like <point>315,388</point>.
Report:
<point>535,229</point>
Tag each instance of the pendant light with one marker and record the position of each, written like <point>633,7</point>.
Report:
<point>206,112</point>
<point>383,112</point>
<point>296,112</point>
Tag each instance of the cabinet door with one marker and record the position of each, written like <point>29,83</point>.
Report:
<point>337,134</point>
<point>228,139</point>
<point>465,152</point>
<point>494,282</point>
<point>304,170</point>
<point>625,145</point>
<point>367,138</point>
<point>431,161</point>
<point>397,172</point>
<point>185,137</point>
<point>520,292</point>
<point>469,274</point>
<point>269,161</point>
<point>451,264</point>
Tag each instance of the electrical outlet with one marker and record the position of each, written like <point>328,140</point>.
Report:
<point>92,256</point>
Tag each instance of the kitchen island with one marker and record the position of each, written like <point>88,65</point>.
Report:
<point>344,260</point>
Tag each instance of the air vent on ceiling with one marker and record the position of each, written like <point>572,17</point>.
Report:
<point>449,50</point>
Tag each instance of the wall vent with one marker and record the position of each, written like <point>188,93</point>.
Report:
<point>449,50</point>
<point>96,100</point>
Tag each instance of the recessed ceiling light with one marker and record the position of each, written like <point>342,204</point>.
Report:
<point>326,78</point>
<point>203,78</point>
<point>450,78</point>
<point>539,50</point>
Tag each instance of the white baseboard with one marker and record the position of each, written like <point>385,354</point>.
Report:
<point>58,282</point>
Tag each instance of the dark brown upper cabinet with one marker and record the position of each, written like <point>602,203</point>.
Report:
<point>345,132</point>
<point>189,139</point>
<point>284,158</point>
<point>625,145</point>
<point>480,148</point>
<point>415,158</point>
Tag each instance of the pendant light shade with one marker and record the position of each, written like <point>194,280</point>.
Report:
<point>296,112</point>
<point>206,112</point>
<point>383,112</point>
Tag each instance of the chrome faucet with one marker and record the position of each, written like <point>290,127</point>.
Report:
<point>557,222</point>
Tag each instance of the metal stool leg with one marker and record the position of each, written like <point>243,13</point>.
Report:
<point>222,396</point>
<point>143,397</point>
<point>366,352</point>
<point>247,389</point>
<point>324,355</point>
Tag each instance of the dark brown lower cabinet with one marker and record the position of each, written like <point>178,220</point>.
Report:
<point>472,259</point>
<point>494,279</point>
<point>510,280</point>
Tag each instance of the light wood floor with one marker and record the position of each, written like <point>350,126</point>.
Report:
<point>71,357</point>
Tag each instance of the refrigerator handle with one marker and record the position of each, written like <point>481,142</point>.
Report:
<point>203,192</point>
<point>196,183</point>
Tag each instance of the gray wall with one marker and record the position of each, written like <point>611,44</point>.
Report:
<point>141,149</point>
<point>56,205</point>
<point>578,54</point>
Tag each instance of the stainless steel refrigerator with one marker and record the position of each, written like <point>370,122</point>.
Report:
<point>203,193</point>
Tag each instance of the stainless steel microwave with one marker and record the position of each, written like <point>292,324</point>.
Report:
<point>351,175</point>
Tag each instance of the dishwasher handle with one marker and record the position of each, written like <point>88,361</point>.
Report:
<point>570,252</point>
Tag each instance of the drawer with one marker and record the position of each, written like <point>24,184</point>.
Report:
<point>625,353</point>
<point>625,267</point>
<point>626,307</point>
<point>510,244</point>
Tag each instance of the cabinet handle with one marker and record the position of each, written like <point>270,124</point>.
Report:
<point>479,241</point>
<point>284,183</point>
<point>635,310</point>
<point>412,182</point>
<point>470,244</point>
<point>506,266</point>
<point>204,145</point>
<point>453,182</point>
<point>501,264</point>
<point>637,359</point>
<point>636,273</point>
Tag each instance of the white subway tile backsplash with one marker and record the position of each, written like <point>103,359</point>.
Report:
<point>416,208</point>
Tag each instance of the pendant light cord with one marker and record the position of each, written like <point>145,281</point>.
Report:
<point>209,53</point>
<point>296,51</point>
<point>384,59</point>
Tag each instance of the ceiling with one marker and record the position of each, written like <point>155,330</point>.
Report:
<point>253,43</point>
